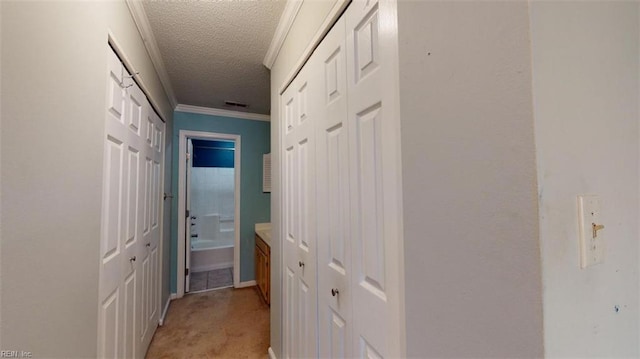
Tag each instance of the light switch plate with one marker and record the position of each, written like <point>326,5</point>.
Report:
<point>591,241</point>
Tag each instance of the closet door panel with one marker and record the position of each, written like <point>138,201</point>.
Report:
<point>300,223</point>
<point>334,254</point>
<point>290,225</point>
<point>375,192</point>
<point>134,112</point>
<point>290,321</point>
<point>131,198</point>
<point>306,186</point>
<point>149,246</point>
<point>116,241</point>
<point>109,330</point>
<point>130,320</point>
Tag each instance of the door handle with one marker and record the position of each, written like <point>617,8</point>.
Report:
<point>132,259</point>
<point>300,264</point>
<point>334,291</point>
<point>148,245</point>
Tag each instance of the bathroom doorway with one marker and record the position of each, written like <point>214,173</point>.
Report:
<point>209,198</point>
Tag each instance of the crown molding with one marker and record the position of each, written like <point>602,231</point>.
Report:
<point>223,113</point>
<point>144,28</point>
<point>284,25</point>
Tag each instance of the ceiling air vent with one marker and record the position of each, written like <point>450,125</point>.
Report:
<point>236,104</point>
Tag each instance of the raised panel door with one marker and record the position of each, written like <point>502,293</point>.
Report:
<point>120,238</point>
<point>374,152</point>
<point>332,163</point>
<point>291,262</point>
<point>149,246</point>
<point>129,263</point>
<point>300,242</point>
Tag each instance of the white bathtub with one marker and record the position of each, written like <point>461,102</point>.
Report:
<point>203,244</point>
<point>209,254</point>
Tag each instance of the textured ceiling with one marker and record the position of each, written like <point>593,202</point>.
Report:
<point>213,50</point>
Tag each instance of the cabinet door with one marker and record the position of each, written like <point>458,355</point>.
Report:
<point>300,311</point>
<point>267,277</point>
<point>332,160</point>
<point>259,267</point>
<point>374,150</point>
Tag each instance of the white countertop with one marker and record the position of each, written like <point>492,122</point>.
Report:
<point>264,231</point>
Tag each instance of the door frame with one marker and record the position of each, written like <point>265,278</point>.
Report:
<point>182,172</point>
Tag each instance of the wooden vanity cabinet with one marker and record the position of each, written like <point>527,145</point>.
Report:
<point>263,270</point>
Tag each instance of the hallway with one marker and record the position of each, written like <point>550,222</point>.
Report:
<point>225,323</point>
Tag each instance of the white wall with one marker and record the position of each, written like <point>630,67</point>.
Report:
<point>53,79</point>
<point>472,260</point>
<point>585,86</point>
<point>311,15</point>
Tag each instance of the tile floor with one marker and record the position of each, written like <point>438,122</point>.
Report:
<point>218,278</point>
<point>225,323</point>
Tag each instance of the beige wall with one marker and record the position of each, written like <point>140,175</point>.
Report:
<point>585,90</point>
<point>472,260</point>
<point>1,342</point>
<point>311,15</point>
<point>53,85</point>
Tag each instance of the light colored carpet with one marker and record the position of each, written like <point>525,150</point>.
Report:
<point>225,323</point>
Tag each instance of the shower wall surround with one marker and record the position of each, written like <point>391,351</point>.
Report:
<point>212,191</point>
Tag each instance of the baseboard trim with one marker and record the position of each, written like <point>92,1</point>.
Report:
<point>249,283</point>
<point>209,267</point>
<point>164,312</point>
<point>272,355</point>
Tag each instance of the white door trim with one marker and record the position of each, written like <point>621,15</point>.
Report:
<point>182,168</point>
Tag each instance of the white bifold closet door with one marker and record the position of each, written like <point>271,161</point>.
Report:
<point>334,212</point>
<point>300,283</point>
<point>350,82</point>
<point>375,176</point>
<point>129,294</point>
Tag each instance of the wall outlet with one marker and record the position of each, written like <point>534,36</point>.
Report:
<point>591,231</point>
